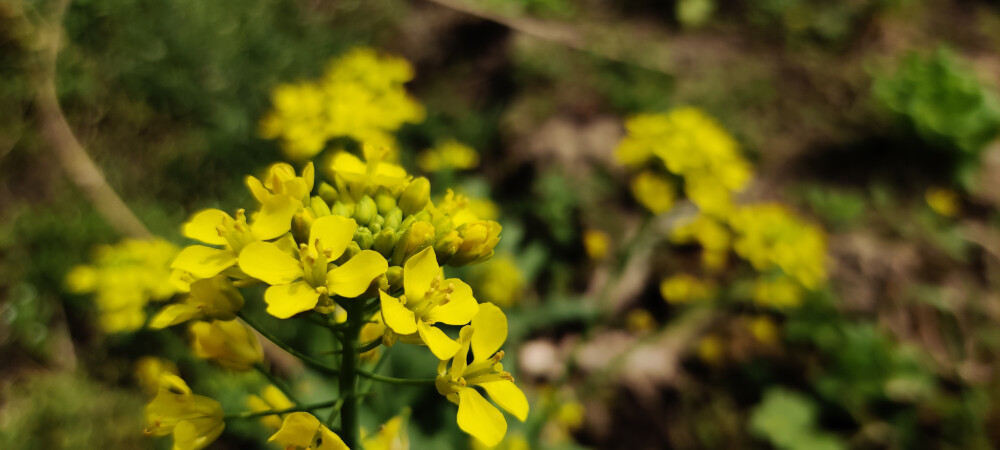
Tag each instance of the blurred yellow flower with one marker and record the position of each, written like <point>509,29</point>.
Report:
<point>271,399</point>
<point>512,441</point>
<point>390,436</point>
<point>684,288</point>
<point>770,236</point>
<point>570,415</point>
<point>713,237</point>
<point>228,343</point>
<point>639,321</point>
<point>448,155</point>
<point>778,292</point>
<point>653,191</point>
<point>499,280</point>
<point>124,278</point>
<point>763,329</point>
<point>361,96</point>
<point>711,350</point>
<point>148,370</point>
<point>596,243</point>
<point>943,201</point>
<point>301,430</point>
<point>194,421</point>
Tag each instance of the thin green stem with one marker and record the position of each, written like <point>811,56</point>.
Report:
<point>348,382</point>
<point>253,414</point>
<point>308,360</point>
<point>393,380</point>
<point>277,382</point>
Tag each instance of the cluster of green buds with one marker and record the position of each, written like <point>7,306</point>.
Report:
<point>395,215</point>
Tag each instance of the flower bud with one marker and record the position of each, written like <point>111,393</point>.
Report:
<point>446,246</point>
<point>394,219</point>
<point>365,211</point>
<point>395,278</point>
<point>229,343</point>
<point>328,193</point>
<point>419,236</point>
<point>385,201</point>
<point>416,196</point>
<point>405,224</point>
<point>319,206</point>
<point>385,240</point>
<point>302,222</point>
<point>364,238</point>
<point>342,209</point>
<point>352,249</point>
<point>479,238</point>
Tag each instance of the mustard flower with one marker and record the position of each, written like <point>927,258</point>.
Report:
<point>280,179</point>
<point>390,436</point>
<point>148,370</point>
<point>194,421</point>
<point>653,191</point>
<point>214,297</point>
<point>684,288</point>
<point>712,235</point>
<point>596,243</point>
<point>215,227</point>
<point>298,284</point>
<point>428,298</point>
<point>500,280</point>
<point>942,201</point>
<point>365,177</point>
<point>476,416</point>
<point>229,343</point>
<point>770,236</point>
<point>301,430</point>
<point>778,292</point>
<point>449,155</point>
<point>270,399</point>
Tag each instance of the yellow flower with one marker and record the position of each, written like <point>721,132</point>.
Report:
<point>596,243</point>
<point>301,430</point>
<point>148,370</point>
<point>711,350</point>
<point>684,288</point>
<point>512,441</point>
<point>365,177</point>
<point>391,436</point>
<point>570,415</point>
<point>227,342</point>
<point>298,284</point>
<point>500,281</point>
<point>763,329</point>
<point>298,119</point>
<point>215,227</point>
<point>124,278</point>
<point>271,399</point>
<point>654,192</point>
<point>639,321</point>
<point>770,236</point>
<point>479,238</point>
<point>714,238</point>
<point>194,421</point>
<point>943,201</point>
<point>449,155</point>
<point>428,298</point>
<point>280,179</point>
<point>709,194</point>
<point>476,415</point>
<point>779,292</point>
<point>373,329</point>
<point>214,297</point>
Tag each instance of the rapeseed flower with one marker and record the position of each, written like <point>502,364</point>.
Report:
<point>194,421</point>
<point>229,343</point>
<point>500,280</point>
<point>943,201</point>
<point>770,236</point>
<point>214,297</point>
<point>270,399</point>
<point>596,243</point>
<point>653,191</point>
<point>390,436</point>
<point>301,430</point>
<point>448,155</point>
<point>684,288</point>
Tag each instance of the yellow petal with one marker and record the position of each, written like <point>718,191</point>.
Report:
<point>203,262</point>
<point>396,316</point>
<point>440,344</point>
<point>297,430</point>
<point>479,418</point>
<point>460,310</point>
<point>491,331</point>
<point>202,226</point>
<point>309,175</point>
<point>266,262</point>
<point>330,440</point>
<point>173,315</point>
<point>287,300</point>
<point>418,272</point>
<point>275,217</point>
<point>334,233</point>
<point>190,435</point>
<point>353,277</point>
<point>346,162</point>
<point>506,394</point>
<point>257,189</point>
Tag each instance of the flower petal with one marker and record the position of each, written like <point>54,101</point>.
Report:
<point>173,315</point>
<point>297,430</point>
<point>353,277</point>
<point>287,300</point>
<point>418,272</point>
<point>330,440</point>
<point>479,418</point>
<point>203,262</point>
<point>460,310</point>
<point>202,226</point>
<point>334,233</point>
<point>275,217</point>
<point>506,394</point>
<point>440,344</point>
<point>491,331</point>
<point>396,316</point>
<point>257,189</point>
<point>266,262</point>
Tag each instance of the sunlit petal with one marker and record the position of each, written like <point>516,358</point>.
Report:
<point>479,418</point>
<point>266,262</point>
<point>203,262</point>
<point>353,277</point>
<point>287,300</point>
<point>506,394</point>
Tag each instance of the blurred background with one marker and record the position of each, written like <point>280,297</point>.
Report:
<point>848,300</point>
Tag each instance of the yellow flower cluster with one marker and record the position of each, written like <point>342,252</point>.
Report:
<point>448,155</point>
<point>500,280</point>
<point>693,147</point>
<point>361,96</point>
<point>124,278</point>
<point>365,252</point>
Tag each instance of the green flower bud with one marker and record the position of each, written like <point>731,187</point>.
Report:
<point>385,240</point>
<point>407,222</point>
<point>447,246</point>
<point>364,238</point>
<point>377,220</point>
<point>301,224</point>
<point>342,209</point>
<point>419,236</point>
<point>352,249</point>
<point>319,207</point>
<point>479,238</point>
<point>394,219</point>
<point>395,277</point>
<point>386,202</point>
<point>416,196</point>
<point>424,215</point>
<point>328,193</point>
<point>365,210</point>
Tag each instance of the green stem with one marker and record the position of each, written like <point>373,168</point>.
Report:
<point>253,414</point>
<point>349,427</point>
<point>277,382</point>
<point>308,360</point>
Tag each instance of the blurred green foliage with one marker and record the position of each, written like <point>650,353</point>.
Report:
<point>788,420</point>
